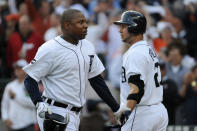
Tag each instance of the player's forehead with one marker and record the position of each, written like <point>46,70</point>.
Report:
<point>78,17</point>
<point>123,25</point>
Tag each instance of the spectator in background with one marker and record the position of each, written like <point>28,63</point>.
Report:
<point>61,5</point>
<point>180,30</point>
<point>17,7</point>
<point>165,30</point>
<point>97,29</point>
<point>111,5</point>
<point>175,69</point>
<point>2,68</point>
<point>190,23</point>
<point>17,109</point>
<point>40,16</point>
<point>12,20</point>
<point>189,92</point>
<point>12,25</point>
<point>171,97</point>
<point>3,13</point>
<point>22,9</point>
<point>77,4</point>
<point>23,44</point>
<point>55,28</point>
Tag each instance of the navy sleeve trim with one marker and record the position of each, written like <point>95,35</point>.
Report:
<point>99,85</point>
<point>32,88</point>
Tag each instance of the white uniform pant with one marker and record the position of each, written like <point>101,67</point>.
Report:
<point>147,118</point>
<point>74,121</point>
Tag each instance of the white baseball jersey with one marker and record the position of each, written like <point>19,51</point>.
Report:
<point>64,69</point>
<point>141,59</point>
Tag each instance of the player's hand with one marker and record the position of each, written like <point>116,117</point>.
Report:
<point>8,123</point>
<point>12,94</point>
<point>43,107</point>
<point>122,115</point>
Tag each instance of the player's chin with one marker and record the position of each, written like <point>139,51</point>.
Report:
<point>83,36</point>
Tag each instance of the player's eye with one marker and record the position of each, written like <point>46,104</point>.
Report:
<point>82,21</point>
<point>123,26</point>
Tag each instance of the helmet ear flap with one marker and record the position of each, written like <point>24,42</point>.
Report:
<point>130,30</point>
<point>133,30</point>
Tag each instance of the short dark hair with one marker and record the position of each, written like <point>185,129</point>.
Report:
<point>177,44</point>
<point>39,3</point>
<point>68,16</point>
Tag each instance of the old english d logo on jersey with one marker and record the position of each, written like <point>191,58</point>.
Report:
<point>91,60</point>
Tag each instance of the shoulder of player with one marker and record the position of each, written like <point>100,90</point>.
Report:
<point>87,44</point>
<point>142,50</point>
<point>138,52</point>
<point>48,46</point>
<point>137,55</point>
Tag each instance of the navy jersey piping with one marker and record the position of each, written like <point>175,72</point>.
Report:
<point>78,64</point>
<point>84,65</point>
<point>133,119</point>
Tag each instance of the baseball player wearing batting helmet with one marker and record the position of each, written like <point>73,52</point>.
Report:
<point>141,90</point>
<point>65,65</point>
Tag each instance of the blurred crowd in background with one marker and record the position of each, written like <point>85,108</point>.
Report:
<point>171,30</point>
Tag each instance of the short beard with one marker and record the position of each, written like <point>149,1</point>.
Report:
<point>128,40</point>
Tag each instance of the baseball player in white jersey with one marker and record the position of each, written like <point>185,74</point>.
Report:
<point>141,90</point>
<point>64,65</point>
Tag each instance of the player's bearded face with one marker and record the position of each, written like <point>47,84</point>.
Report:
<point>79,27</point>
<point>125,35</point>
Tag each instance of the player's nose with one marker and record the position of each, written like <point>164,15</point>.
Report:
<point>85,25</point>
<point>120,30</point>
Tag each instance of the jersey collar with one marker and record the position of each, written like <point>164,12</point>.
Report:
<point>66,43</point>
<point>141,42</point>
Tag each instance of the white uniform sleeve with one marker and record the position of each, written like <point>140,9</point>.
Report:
<point>41,65</point>
<point>5,104</point>
<point>96,67</point>
<point>136,64</point>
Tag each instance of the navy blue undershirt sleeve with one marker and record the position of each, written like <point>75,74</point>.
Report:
<point>32,88</point>
<point>99,85</point>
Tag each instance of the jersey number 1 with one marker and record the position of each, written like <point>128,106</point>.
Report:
<point>157,83</point>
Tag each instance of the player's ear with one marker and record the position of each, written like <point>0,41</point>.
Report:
<point>67,25</point>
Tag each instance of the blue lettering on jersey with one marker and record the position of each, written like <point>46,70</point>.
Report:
<point>152,54</point>
<point>123,75</point>
<point>91,60</point>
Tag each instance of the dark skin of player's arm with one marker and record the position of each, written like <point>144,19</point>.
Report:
<point>133,89</point>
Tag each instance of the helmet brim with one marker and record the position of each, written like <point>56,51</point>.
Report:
<point>120,22</point>
<point>125,23</point>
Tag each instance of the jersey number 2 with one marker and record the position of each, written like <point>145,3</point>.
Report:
<point>157,83</point>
